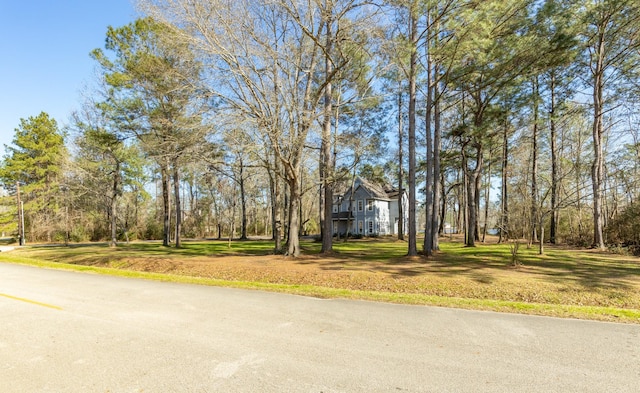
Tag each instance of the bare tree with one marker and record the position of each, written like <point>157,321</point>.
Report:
<point>263,59</point>
<point>613,40</point>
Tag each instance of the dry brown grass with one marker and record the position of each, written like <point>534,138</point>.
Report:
<point>562,277</point>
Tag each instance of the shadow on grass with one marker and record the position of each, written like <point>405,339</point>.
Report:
<point>389,257</point>
<point>588,268</point>
<point>483,264</point>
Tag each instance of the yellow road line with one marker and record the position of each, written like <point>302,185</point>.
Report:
<point>31,301</point>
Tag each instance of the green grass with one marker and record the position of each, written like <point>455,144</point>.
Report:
<point>564,283</point>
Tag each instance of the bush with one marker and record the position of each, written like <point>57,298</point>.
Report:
<point>624,230</point>
<point>153,230</point>
<point>351,235</point>
<point>9,240</point>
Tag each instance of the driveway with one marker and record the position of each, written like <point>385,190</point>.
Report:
<point>74,332</point>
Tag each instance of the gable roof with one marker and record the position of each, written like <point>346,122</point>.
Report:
<point>375,191</point>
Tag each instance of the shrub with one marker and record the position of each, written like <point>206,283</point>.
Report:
<point>152,230</point>
<point>624,230</point>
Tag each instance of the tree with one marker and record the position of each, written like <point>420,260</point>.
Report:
<point>535,218</point>
<point>268,67</point>
<point>35,160</point>
<point>491,53</point>
<point>437,14</point>
<point>262,68</point>
<point>496,51</point>
<point>400,164</point>
<point>413,69</point>
<point>152,80</point>
<point>612,39</point>
<point>108,164</point>
<point>326,162</point>
<point>345,65</point>
<point>556,22</point>
<point>239,151</point>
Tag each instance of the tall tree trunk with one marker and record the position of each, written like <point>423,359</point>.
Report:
<point>504,205</point>
<point>465,206</point>
<point>472,195</point>
<point>276,209</point>
<point>21,239</point>
<point>336,126</point>
<point>274,175</point>
<point>301,219</point>
<point>476,193</point>
<point>487,195</point>
<point>443,205</point>
<point>325,154</point>
<point>166,205</point>
<point>293,239</point>
<point>534,164</point>
<point>433,214</point>
<point>578,165</point>
<point>429,186</point>
<point>176,189</point>
<point>351,200</point>
<point>400,166</point>
<point>412,246</point>
<point>286,204</point>
<point>232,222</point>
<point>472,212</point>
<point>461,211</point>
<point>597,167</point>
<point>437,220</point>
<point>243,201</point>
<point>554,163</point>
<point>114,205</point>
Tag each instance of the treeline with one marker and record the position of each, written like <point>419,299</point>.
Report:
<point>219,118</point>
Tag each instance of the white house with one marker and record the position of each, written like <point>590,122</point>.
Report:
<point>370,210</point>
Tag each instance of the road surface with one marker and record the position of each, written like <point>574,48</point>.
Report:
<point>74,332</point>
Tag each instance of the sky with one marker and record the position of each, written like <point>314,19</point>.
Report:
<point>44,55</point>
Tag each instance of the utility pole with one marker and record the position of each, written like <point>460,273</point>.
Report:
<point>20,216</point>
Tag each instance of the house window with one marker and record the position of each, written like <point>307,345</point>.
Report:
<point>360,205</point>
<point>370,227</point>
<point>360,227</point>
<point>370,205</point>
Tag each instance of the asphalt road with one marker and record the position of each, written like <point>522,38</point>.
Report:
<point>74,332</point>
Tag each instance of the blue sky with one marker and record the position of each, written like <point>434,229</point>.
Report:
<point>44,55</point>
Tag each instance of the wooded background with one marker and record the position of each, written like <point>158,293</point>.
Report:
<point>237,118</point>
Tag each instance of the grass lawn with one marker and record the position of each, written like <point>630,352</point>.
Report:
<point>564,282</point>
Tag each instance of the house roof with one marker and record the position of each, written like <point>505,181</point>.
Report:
<point>383,192</point>
<point>392,193</point>
<point>375,190</point>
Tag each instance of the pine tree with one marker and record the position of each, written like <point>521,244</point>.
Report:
<point>35,160</point>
